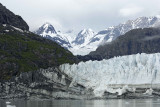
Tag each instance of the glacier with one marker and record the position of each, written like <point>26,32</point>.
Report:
<point>139,69</point>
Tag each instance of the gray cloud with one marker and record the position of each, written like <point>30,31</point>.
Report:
<point>130,11</point>
<point>80,14</point>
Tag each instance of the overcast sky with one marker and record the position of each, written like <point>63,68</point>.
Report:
<point>80,14</point>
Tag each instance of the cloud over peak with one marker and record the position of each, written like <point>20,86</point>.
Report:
<point>130,11</point>
<point>80,14</point>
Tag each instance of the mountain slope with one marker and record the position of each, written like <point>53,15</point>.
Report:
<point>145,40</point>
<point>83,37</point>
<point>23,51</point>
<point>113,32</point>
<point>81,46</point>
<point>49,32</point>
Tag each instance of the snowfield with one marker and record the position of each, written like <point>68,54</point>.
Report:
<point>133,69</point>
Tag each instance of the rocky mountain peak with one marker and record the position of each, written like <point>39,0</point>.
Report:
<point>84,36</point>
<point>8,17</point>
<point>84,32</point>
<point>46,28</point>
<point>48,31</point>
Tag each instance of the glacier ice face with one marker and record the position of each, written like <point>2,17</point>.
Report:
<point>133,69</point>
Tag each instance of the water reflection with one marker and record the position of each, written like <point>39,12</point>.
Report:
<point>83,103</point>
<point>11,106</point>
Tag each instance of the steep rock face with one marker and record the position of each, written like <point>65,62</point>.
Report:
<point>43,83</point>
<point>145,40</point>
<point>7,17</point>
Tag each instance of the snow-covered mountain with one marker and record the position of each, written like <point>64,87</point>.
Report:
<point>46,29</point>
<point>49,32</point>
<point>84,37</point>
<point>139,69</point>
<point>80,44</point>
<point>72,41</point>
<point>70,35</point>
<point>111,33</point>
<point>87,40</point>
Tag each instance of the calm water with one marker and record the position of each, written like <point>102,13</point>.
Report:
<point>83,103</point>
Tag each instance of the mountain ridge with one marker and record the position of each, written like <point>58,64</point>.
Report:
<point>87,40</point>
<point>8,17</point>
<point>146,40</point>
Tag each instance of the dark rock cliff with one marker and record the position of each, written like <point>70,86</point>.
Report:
<point>43,83</point>
<point>8,17</point>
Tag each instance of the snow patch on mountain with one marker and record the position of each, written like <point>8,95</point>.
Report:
<point>70,35</point>
<point>133,69</point>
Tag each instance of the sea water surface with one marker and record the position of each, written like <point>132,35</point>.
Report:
<point>82,103</point>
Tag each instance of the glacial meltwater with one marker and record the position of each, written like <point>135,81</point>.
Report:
<point>82,103</point>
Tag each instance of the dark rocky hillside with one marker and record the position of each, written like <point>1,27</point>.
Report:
<point>7,17</point>
<point>23,51</point>
<point>145,40</point>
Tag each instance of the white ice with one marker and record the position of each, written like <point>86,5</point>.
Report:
<point>132,69</point>
<point>149,91</point>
